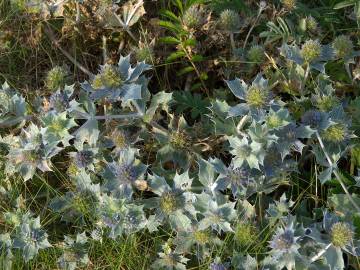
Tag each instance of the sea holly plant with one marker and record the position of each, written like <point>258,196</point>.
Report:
<point>285,246</point>
<point>324,98</point>
<point>75,252</point>
<point>120,216</point>
<point>256,97</point>
<point>121,174</point>
<point>311,55</point>
<point>85,157</point>
<point>240,180</point>
<point>30,238</point>
<point>5,249</point>
<point>117,82</point>
<point>334,236</point>
<point>194,239</point>
<point>61,100</point>
<point>280,209</point>
<point>169,260</point>
<point>246,152</point>
<point>344,50</point>
<point>176,142</point>
<point>31,152</point>
<point>222,125</point>
<point>289,138</point>
<point>76,206</point>
<point>173,202</point>
<point>216,214</point>
<point>277,118</point>
<point>57,128</point>
<point>13,108</point>
<point>131,13</point>
<point>121,139</point>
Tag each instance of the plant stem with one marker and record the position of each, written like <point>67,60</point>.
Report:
<point>77,20</point>
<point>232,42</point>
<point>241,124</point>
<point>107,117</point>
<point>347,68</point>
<point>188,56</point>
<point>51,35</point>
<point>306,75</point>
<point>336,173</point>
<point>321,252</point>
<point>252,27</point>
<point>104,47</point>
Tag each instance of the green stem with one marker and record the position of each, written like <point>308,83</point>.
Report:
<point>232,42</point>
<point>77,20</point>
<point>252,27</point>
<point>306,75</point>
<point>336,173</point>
<point>107,117</point>
<point>321,252</point>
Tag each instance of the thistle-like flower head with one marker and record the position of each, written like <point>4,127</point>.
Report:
<point>277,119</point>
<point>119,138</point>
<point>311,50</point>
<point>55,78</point>
<point>343,46</point>
<point>284,247</point>
<point>256,97</point>
<point>289,4</point>
<point>244,233</point>
<point>335,133</point>
<point>169,202</point>
<point>312,54</point>
<point>178,140</point>
<point>124,173</point>
<point>217,266</point>
<point>121,81</point>
<point>326,103</point>
<point>75,252</point>
<point>31,238</point>
<point>239,176</point>
<point>59,101</point>
<point>202,237</point>
<point>245,151</point>
<point>84,158</point>
<point>193,17</point>
<point>256,54</point>
<point>314,118</point>
<point>229,20</point>
<point>283,241</point>
<point>311,23</point>
<point>120,175</point>
<point>341,234</point>
<point>108,77</point>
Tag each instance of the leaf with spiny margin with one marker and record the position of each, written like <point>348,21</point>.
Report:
<point>238,88</point>
<point>158,184</point>
<point>12,107</point>
<point>206,174</point>
<point>182,181</point>
<point>30,238</point>
<point>218,117</point>
<point>159,100</point>
<point>57,127</point>
<point>342,205</point>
